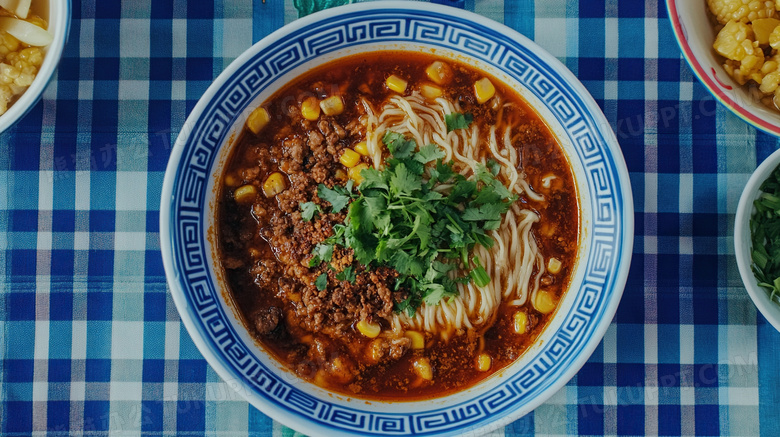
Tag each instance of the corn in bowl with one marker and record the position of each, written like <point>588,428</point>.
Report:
<point>748,40</point>
<point>22,38</point>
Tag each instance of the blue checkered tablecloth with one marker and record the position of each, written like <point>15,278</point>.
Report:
<point>91,343</point>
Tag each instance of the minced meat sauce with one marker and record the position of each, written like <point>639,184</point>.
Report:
<point>265,244</point>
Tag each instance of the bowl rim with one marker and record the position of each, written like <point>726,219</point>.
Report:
<point>700,72</point>
<point>743,244</point>
<point>614,285</point>
<point>62,9</point>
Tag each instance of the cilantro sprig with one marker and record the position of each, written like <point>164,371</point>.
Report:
<point>765,236</point>
<point>456,120</point>
<point>400,218</point>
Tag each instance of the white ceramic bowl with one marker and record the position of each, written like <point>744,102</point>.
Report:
<point>57,13</point>
<point>695,35</point>
<point>742,241</point>
<point>188,205</point>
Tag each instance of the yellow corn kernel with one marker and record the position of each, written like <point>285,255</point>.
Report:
<point>258,119</point>
<point>484,90</point>
<point>340,175</point>
<point>34,55</point>
<point>554,266</point>
<point>430,91</point>
<point>422,367</point>
<point>231,180</point>
<point>354,173</point>
<point>370,330</point>
<point>544,302</point>
<point>274,184</point>
<point>333,105</point>
<point>362,148</point>
<point>310,108</point>
<point>396,84</point>
<point>521,322</point>
<point>349,158</point>
<point>439,72</point>
<point>763,27</point>
<point>484,362</point>
<point>418,340</point>
<point>245,193</point>
<point>9,41</point>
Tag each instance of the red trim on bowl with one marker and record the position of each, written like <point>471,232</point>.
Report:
<point>715,76</point>
<point>714,88</point>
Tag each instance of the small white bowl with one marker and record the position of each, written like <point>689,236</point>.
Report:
<point>57,14</point>
<point>695,35</point>
<point>742,241</point>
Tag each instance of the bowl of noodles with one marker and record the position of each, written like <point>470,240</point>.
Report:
<point>391,218</point>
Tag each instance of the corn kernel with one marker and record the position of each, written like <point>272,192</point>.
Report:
<point>354,173</point>
<point>396,84</point>
<point>24,80</point>
<point>370,330</point>
<point>245,193</point>
<point>484,90</point>
<point>231,180</point>
<point>258,119</point>
<point>741,10</point>
<point>521,322</point>
<point>423,368</point>
<point>333,105</point>
<point>544,302</point>
<point>362,148</point>
<point>763,27</point>
<point>430,91</point>
<point>439,72</point>
<point>274,184</point>
<point>418,340</point>
<point>554,266</point>
<point>310,108</point>
<point>349,158</point>
<point>10,42</point>
<point>34,56</point>
<point>484,362</point>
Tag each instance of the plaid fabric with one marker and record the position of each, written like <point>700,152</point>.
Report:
<point>91,342</point>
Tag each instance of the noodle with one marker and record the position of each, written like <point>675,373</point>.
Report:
<point>514,258</point>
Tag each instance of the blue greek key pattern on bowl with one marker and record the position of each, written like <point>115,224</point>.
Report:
<point>458,34</point>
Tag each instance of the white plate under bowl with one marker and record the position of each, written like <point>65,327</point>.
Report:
<point>189,198</point>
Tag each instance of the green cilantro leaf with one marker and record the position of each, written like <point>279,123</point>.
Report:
<point>488,211</point>
<point>428,153</point>
<point>398,145</point>
<point>322,253</point>
<point>338,201</point>
<point>322,282</point>
<point>494,166</point>
<point>455,121</point>
<point>372,178</point>
<point>308,210</point>
<point>347,275</point>
<point>402,182</point>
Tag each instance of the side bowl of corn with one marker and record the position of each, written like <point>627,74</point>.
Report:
<point>29,57</point>
<point>722,48</point>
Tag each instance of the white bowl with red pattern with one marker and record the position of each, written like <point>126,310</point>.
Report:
<point>695,33</point>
